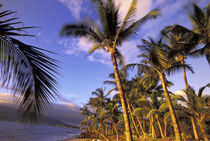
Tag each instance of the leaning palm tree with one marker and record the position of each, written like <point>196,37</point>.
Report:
<point>114,32</point>
<point>181,45</point>
<point>25,69</point>
<point>197,106</point>
<point>155,62</point>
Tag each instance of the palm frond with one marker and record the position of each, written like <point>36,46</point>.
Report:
<point>128,32</point>
<point>140,111</point>
<point>178,97</point>
<point>130,14</point>
<point>32,72</point>
<point>200,92</point>
<point>96,47</point>
<point>143,103</point>
<point>177,67</point>
<point>152,113</point>
<point>7,23</point>
<point>110,91</point>
<point>119,57</point>
<point>80,30</point>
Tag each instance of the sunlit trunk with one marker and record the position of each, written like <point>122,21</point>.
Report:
<point>133,121</point>
<point>195,131</point>
<point>128,132</point>
<point>152,128</point>
<point>116,132</point>
<point>160,127</point>
<point>184,73</point>
<point>140,124</point>
<point>171,109</point>
<point>203,131</point>
<point>165,128</point>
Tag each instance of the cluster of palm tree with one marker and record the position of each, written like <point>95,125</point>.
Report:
<point>144,105</point>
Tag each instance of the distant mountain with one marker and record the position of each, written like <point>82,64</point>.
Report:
<point>60,115</point>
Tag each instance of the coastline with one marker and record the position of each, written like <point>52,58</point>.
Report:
<point>77,139</point>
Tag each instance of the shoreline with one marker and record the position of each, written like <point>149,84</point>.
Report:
<point>77,139</point>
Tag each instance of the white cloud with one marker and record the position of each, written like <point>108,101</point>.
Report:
<point>130,52</point>
<point>75,45</point>
<point>75,7</point>
<point>9,98</point>
<point>152,28</point>
<point>143,7</point>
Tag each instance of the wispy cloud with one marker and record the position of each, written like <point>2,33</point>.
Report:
<point>170,10</point>
<point>75,46</point>
<point>143,7</point>
<point>75,6</point>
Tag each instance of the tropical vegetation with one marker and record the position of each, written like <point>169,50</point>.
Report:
<point>144,101</point>
<point>137,107</point>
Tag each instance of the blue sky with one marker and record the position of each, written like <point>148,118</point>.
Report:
<point>81,74</point>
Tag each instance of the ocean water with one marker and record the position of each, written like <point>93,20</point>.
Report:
<point>15,131</point>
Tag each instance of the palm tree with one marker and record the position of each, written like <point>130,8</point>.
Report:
<point>99,103</point>
<point>113,112</point>
<point>196,106</point>
<point>25,69</point>
<point>156,62</point>
<point>114,32</point>
<point>201,30</point>
<point>201,26</point>
<point>181,44</point>
<point>150,109</point>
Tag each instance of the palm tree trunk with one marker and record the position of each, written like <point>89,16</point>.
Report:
<point>138,120</point>
<point>153,129</point>
<point>203,131</point>
<point>165,128</point>
<point>184,73</point>
<point>160,127</point>
<point>106,128</point>
<point>171,109</point>
<point>110,129</point>
<point>130,111</point>
<point>142,129</point>
<point>128,132</point>
<point>115,128</point>
<point>195,131</point>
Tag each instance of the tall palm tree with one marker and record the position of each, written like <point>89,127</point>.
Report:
<point>114,32</point>
<point>156,62</point>
<point>181,45</point>
<point>25,69</point>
